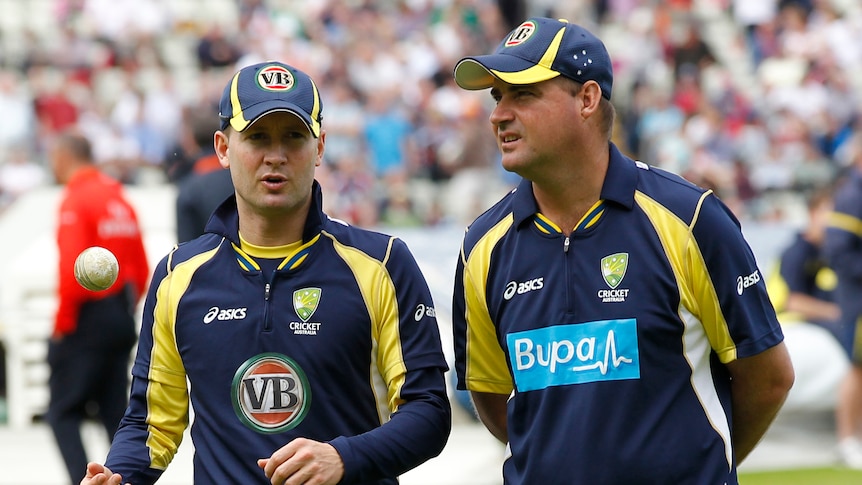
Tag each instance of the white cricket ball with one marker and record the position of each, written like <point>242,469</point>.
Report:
<point>96,268</point>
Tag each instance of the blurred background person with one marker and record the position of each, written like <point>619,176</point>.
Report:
<point>802,286</point>
<point>207,185</point>
<point>90,349</point>
<point>843,250</point>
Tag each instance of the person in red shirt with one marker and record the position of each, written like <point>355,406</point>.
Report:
<point>94,332</point>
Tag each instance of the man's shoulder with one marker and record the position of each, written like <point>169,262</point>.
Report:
<point>494,222</point>
<point>374,243</point>
<point>848,195</point>
<point>198,246</point>
<point>671,191</point>
<point>656,181</point>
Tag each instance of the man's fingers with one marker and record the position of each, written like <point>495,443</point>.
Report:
<point>98,474</point>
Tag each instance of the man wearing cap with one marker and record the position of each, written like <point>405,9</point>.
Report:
<point>310,347</point>
<point>610,320</point>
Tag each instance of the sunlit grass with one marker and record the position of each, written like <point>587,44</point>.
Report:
<point>808,476</point>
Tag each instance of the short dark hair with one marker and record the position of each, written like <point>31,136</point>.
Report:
<point>77,145</point>
<point>820,196</point>
<point>606,108</point>
<point>204,122</point>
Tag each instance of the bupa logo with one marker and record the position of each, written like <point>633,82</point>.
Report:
<point>521,34</point>
<point>515,287</point>
<point>270,393</point>
<point>743,282</point>
<point>561,355</point>
<point>275,78</point>
<point>224,314</point>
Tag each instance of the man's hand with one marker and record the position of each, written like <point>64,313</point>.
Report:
<point>98,474</point>
<point>303,461</point>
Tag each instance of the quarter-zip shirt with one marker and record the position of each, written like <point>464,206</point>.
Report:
<point>339,343</point>
<point>611,337</point>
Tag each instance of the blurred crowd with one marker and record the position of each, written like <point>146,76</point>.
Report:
<point>759,100</point>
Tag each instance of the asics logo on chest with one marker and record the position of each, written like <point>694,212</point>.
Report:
<point>514,287</point>
<point>224,314</point>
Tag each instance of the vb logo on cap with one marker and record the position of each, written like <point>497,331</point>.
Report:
<point>522,33</point>
<point>275,78</point>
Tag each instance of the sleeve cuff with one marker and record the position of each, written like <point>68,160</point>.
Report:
<point>348,458</point>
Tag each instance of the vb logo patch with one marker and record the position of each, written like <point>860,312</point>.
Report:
<point>521,34</point>
<point>275,78</point>
<point>305,302</point>
<point>270,393</point>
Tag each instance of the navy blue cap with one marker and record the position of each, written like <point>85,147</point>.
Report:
<point>266,87</point>
<point>537,50</point>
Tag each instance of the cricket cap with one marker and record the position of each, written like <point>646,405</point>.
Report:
<point>537,50</point>
<point>266,87</point>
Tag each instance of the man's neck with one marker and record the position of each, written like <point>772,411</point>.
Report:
<point>567,196</point>
<point>273,229</point>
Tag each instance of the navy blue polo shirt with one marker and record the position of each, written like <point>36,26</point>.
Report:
<point>611,337</point>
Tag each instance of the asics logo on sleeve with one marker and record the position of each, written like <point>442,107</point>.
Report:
<point>216,313</point>
<point>743,282</point>
<point>579,353</point>
<point>423,311</point>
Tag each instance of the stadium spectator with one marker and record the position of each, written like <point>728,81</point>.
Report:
<point>216,49</point>
<point>388,134</point>
<point>17,104</point>
<point>18,175</point>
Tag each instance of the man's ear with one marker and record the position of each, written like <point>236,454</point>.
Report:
<point>591,93</point>
<point>321,145</point>
<point>220,143</point>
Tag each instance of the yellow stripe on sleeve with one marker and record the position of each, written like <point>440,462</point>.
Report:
<point>704,326</point>
<point>846,222</point>
<point>486,369</point>
<point>388,371</point>
<point>167,393</point>
<point>697,293</point>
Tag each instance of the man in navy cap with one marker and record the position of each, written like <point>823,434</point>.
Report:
<point>610,320</point>
<point>308,348</point>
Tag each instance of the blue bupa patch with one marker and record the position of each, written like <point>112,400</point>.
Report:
<point>605,350</point>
